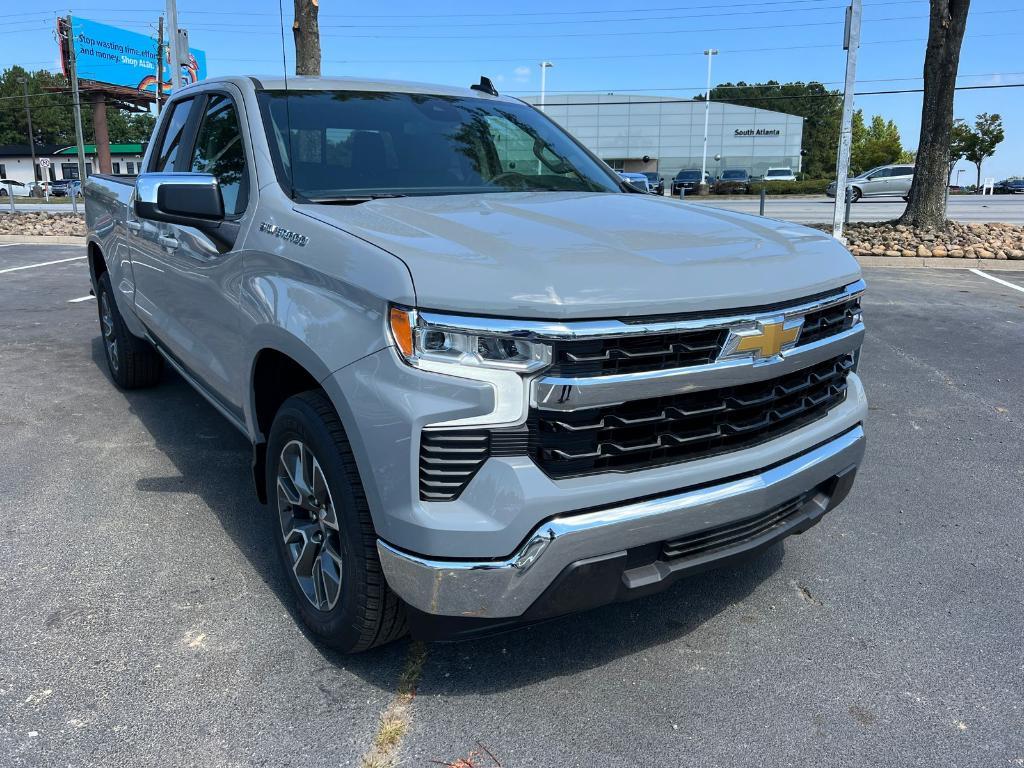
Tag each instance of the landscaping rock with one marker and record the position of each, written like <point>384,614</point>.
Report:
<point>972,241</point>
<point>42,223</point>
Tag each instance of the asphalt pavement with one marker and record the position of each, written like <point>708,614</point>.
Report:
<point>1008,209</point>
<point>143,620</point>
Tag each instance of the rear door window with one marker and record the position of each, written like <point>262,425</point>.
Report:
<point>173,134</point>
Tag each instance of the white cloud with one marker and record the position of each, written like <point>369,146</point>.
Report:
<point>522,71</point>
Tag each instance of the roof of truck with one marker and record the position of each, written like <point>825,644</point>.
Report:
<point>305,83</point>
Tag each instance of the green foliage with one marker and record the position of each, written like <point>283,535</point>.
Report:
<point>874,145</point>
<point>801,187</point>
<point>820,107</point>
<point>986,136</point>
<point>53,119</point>
<point>960,139</point>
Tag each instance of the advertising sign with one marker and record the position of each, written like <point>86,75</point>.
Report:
<point>115,56</point>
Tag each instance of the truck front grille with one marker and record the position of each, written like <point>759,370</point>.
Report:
<point>627,354</point>
<point>829,321</point>
<point>647,433</point>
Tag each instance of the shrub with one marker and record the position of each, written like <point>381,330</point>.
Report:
<point>801,187</point>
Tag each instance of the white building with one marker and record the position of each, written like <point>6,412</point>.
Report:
<point>665,134</point>
<point>16,162</point>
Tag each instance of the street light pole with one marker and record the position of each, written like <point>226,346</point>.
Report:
<point>710,52</point>
<point>173,41</point>
<point>31,138</point>
<point>544,67</point>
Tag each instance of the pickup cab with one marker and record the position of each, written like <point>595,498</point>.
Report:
<point>485,382</point>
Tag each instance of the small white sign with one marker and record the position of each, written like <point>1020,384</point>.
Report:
<point>44,162</point>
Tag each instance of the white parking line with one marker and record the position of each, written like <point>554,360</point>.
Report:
<point>998,280</point>
<point>81,298</point>
<point>44,264</point>
<point>8,245</point>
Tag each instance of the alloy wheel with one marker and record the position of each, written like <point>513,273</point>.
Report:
<point>309,525</point>
<point>109,332</point>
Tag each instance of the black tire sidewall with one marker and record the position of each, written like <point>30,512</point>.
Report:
<point>298,420</point>
<point>120,332</point>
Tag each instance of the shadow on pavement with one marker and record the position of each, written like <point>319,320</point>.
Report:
<point>213,463</point>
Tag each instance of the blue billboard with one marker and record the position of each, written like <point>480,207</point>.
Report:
<point>115,56</point>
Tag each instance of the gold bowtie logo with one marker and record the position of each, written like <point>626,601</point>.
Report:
<point>768,339</point>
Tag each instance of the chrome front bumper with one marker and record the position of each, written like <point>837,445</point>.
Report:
<point>495,589</point>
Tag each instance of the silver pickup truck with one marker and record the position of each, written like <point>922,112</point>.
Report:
<point>486,382</point>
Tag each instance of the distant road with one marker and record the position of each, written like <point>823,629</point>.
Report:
<point>803,210</point>
<point>818,210</point>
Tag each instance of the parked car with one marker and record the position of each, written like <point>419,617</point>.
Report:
<point>1009,187</point>
<point>779,174</point>
<point>65,187</point>
<point>732,182</point>
<point>656,182</point>
<point>13,188</point>
<point>886,180</point>
<point>487,386</point>
<point>638,180</point>
<point>687,180</point>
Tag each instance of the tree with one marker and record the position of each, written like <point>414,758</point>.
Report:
<point>874,145</point>
<point>306,31</point>
<point>820,108</point>
<point>986,136</point>
<point>946,23</point>
<point>961,137</point>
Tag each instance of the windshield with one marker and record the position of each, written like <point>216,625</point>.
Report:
<point>779,172</point>
<point>734,175</point>
<point>344,144</point>
<point>652,176</point>
<point>688,175</point>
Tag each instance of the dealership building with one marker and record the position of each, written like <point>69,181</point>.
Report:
<point>664,134</point>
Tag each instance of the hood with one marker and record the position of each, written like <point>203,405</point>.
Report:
<point>563,255</point>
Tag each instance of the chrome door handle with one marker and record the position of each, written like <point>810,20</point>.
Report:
<point>167,241</point>
<point>134,226</point>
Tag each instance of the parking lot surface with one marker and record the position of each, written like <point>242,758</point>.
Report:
<point>143,621</point>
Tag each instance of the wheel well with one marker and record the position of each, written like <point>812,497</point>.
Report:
<point>275,378</point>
<point>97,264</point>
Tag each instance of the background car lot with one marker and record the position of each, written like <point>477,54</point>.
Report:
<point>143,621</point>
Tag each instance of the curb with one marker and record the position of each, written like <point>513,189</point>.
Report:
<point>912,262</point>
<point>43,239</point>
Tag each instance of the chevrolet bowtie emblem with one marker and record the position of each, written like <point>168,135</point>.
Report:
<point>768,338</point>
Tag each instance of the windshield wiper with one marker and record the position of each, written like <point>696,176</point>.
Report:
<point>355,199</point>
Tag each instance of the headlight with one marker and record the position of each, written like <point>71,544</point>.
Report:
<point>419,341</point>
<point>501,360</point>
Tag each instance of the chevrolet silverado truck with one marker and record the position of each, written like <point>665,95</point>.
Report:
<point>486,383</point>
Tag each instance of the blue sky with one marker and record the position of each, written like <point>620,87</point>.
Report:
<point>602,45</point>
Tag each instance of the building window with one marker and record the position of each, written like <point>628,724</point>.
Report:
<point>3,171</point>
<point>52,172</point>
<point>130,166</point>
<point>69,170</point>
<point>117,168</point>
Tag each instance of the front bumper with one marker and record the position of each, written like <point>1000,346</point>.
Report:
<point>606,540</point>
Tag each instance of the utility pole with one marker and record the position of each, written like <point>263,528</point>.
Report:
<point>31,137</point>
<point>76,100</point>
<point>159,62</point>
<point>703,187</point>
<point>851,42</point>
<point>544,67</point>
<point>172,39</point>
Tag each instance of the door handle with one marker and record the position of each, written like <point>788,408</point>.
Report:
<point>167,241</point>
<point>134,226</point>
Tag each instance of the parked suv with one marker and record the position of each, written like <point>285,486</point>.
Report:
<point>886,180</point>
<point>485,382</point>
<point>779,174</point>
<point>687,180</point>
<point>732,182</point>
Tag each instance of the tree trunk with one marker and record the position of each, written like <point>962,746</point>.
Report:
<point>977,185</point>
<point>306,30</point>
<point>927,206</point>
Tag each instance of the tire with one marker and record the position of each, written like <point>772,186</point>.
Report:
<point>319,516</point>
<point>133,363</point>
<point>855,194</point>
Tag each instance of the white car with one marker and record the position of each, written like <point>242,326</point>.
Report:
<point>12,187</point>
<point>779,174</point>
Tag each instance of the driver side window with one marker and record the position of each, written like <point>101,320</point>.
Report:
<point>219,151</point>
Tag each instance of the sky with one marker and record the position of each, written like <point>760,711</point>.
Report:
<point>643,46</point>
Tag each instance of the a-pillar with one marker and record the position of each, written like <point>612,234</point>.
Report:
<point>99,124</point>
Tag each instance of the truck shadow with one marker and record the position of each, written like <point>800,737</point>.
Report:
<point>213,463</point>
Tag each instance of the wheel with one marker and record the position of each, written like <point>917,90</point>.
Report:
<point>132,361</point>
<point>3,192</point>
<point>323,530</point>
<point>855,194</point>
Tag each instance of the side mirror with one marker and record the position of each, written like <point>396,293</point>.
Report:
<point>190,199</point>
